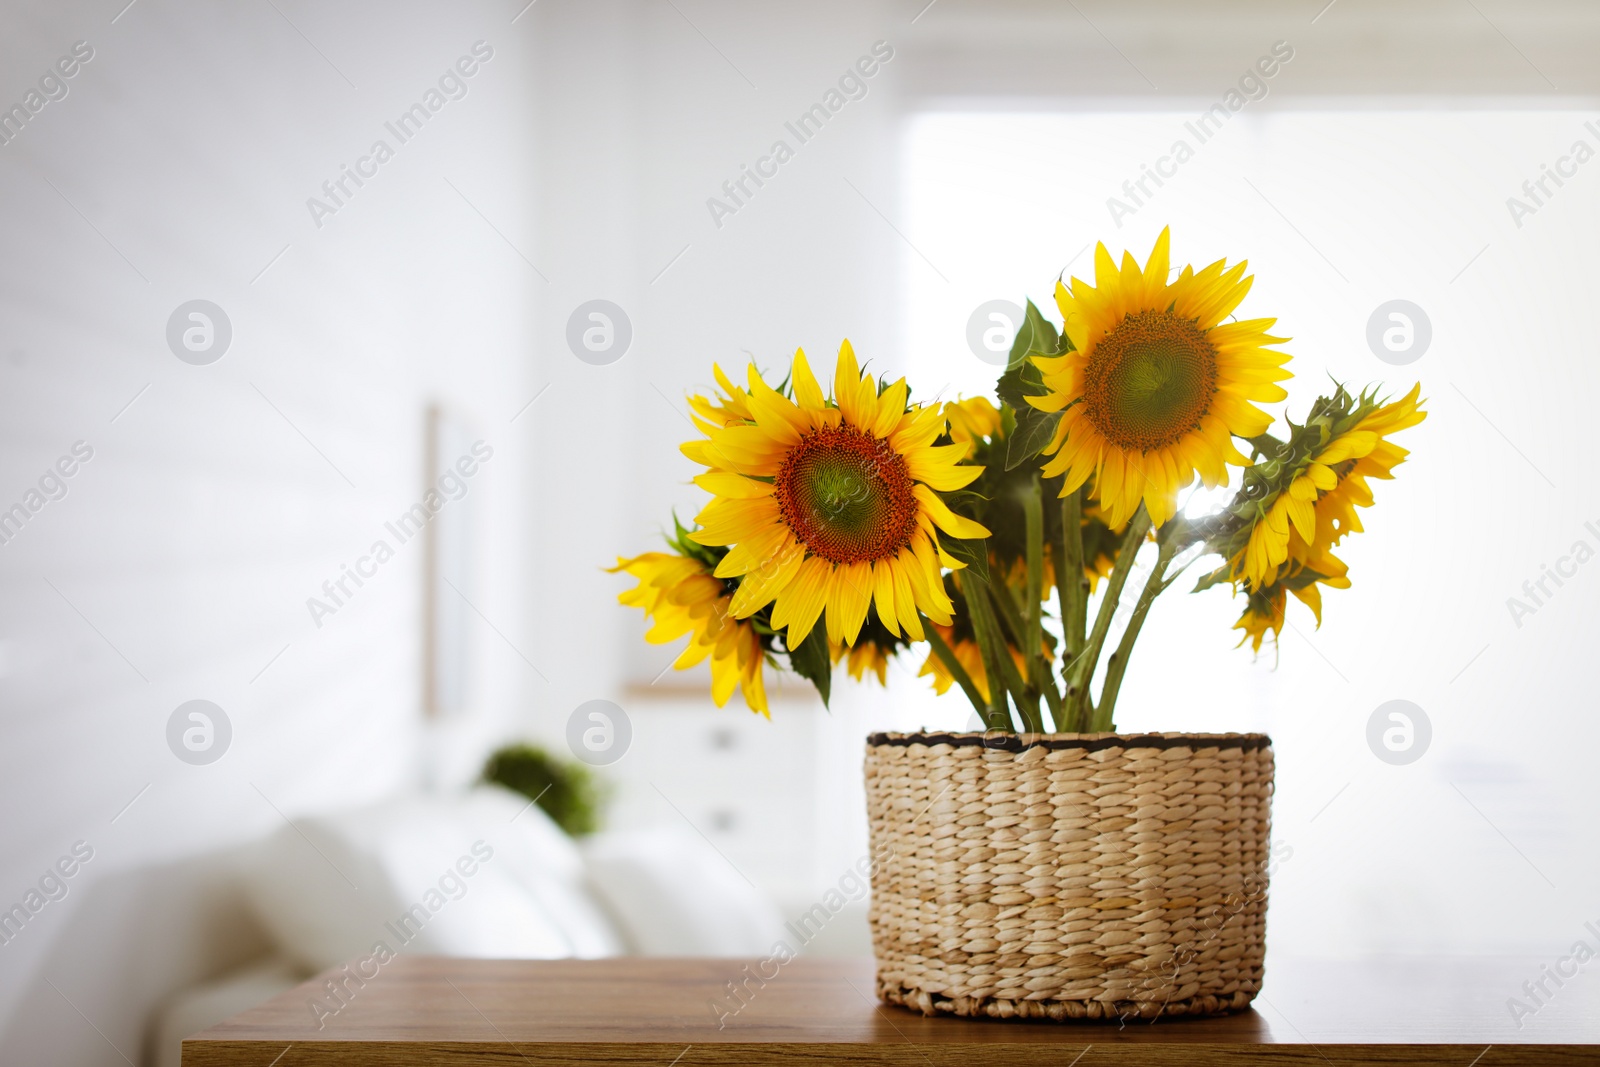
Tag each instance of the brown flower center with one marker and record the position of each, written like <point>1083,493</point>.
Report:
<point>1150,380</point>
<point>847,495</point>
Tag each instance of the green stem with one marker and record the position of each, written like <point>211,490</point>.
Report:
<point>1052,700</point>
<point>957,671</point>
<point>1026,701</point>
<point>1032,643</point>
<point>1072,589</point>
<point>1117,665</point>
<point>1083,670</point>
<point>1009,627</point>
<point>1010,615</point>
<point>1058,562</point>
<point>1074,584</point>
<point>990,642</point>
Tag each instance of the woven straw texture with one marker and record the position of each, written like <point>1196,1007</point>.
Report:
<point>1069,876</point>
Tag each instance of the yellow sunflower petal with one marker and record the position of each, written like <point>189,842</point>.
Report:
<point>947,520</point>
<point>800,604</point>
<point>761,585</point>
<point>891,407</point>
<point>775,412</point>
<point>807,393</point>
<point>849,595</point>
<point>726,483</point>
<point>905,601</point>
<point>847,391</point>
<point>883,595</point>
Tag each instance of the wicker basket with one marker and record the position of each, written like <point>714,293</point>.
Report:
<point>1069,876</point>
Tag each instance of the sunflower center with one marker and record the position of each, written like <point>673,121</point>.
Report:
<point>846,495</point>
<point>1150,380</point>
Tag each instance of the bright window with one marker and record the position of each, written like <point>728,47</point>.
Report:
<point>1338,213</point>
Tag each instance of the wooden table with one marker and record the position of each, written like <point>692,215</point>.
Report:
<point>817,1010</point>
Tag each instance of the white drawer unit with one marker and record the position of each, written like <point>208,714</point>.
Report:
<point>748,784</point>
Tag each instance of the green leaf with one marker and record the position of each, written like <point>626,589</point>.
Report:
<point>1019,382</point>
<point>975,554</point>
<point>685,546</point>
<point>1034,430</point>
<point>1216,577</point>
<point>1035,337</point>
<point>810,661</point>
<point>1023,343</point>
<point>1045,342</point>
<point>968,502</point>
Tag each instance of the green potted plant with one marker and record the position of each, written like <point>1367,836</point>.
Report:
<point>565,790</point>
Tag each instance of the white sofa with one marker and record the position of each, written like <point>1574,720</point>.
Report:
<point>481,873</point>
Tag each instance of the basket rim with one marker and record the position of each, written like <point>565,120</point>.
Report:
<point>1009,742</point>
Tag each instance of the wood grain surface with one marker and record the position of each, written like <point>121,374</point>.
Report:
<point>427,1010</point>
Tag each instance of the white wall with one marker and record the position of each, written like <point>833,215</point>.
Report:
<point>179,563</point>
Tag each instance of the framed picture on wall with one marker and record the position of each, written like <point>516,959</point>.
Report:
<point>450,573</point>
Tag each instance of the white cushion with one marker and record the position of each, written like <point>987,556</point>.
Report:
<point>546,863</point>
<point>331,887</point>
<point>672,894</point>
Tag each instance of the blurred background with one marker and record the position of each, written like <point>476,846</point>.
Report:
<point>244,346</point>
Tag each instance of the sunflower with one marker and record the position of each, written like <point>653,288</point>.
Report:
<point>1318,508</point>
<point>832,507</point>
<point>1265,606</point>
<point>1263,613</point>
<point>679,594</point>
<point>1154,385</point>
<point>972,421</point>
